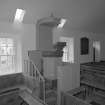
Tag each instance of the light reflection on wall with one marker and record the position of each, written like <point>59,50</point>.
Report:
<point>97,46</point>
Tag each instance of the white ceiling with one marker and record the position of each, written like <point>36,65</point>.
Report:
<point>86,15</point>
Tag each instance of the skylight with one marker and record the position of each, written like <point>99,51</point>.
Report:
<point>62,23</point>
<point>19,15</point>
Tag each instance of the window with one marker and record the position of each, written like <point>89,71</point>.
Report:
<point>68,50</point>
<point>19,15</point>
<point>96,51</point>
<point>65,54</point>
<point>84,46</point>
<point>7,56</point>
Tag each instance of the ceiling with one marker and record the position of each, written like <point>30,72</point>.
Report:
<point>86,15</point>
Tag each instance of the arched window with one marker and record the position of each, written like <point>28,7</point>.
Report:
<point>84,45</point>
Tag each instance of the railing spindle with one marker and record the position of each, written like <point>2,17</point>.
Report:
<point>32,71</point>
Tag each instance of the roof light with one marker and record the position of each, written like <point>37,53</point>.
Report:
<point>19,15</point>
<point>62,23</point>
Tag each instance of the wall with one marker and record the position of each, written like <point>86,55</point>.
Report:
<point>23,34</point>
<point>92,37</point>
<point>49,63</point>
<point>68,77</point>
<point>50,67</point>
<point>103,48</point>
<point>44,38</point>
<point>69,74</point>
<point>77,35</point>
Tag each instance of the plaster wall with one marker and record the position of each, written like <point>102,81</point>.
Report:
<point>77,35</point>
<point>44,38</point>
<point>24,36</point>
<point>69,74</point>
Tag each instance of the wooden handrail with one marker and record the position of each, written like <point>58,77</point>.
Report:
<point>35,74</point>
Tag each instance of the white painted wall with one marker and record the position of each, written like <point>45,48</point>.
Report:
<point>69,74</point>
<point>50,67</point>
<point>68,77</point>
<point>44,38</point>
<point>77,35</point>
<point>24,35</point>
<point>103,48</point>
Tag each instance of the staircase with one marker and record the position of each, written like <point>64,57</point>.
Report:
<point>43,89</point>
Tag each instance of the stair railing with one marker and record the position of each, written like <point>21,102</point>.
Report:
<point>32,71</point>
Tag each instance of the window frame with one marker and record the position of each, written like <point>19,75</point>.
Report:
<point>13,57</point>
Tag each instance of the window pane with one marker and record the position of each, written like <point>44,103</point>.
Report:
<point>9,42</point>
<point>3,50</point>
<point>68,51</point>
<point>10,50</point>
<point>7,56</point>
<point>3,61</point>
<point>2,42</point>
<point>65,54</point>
